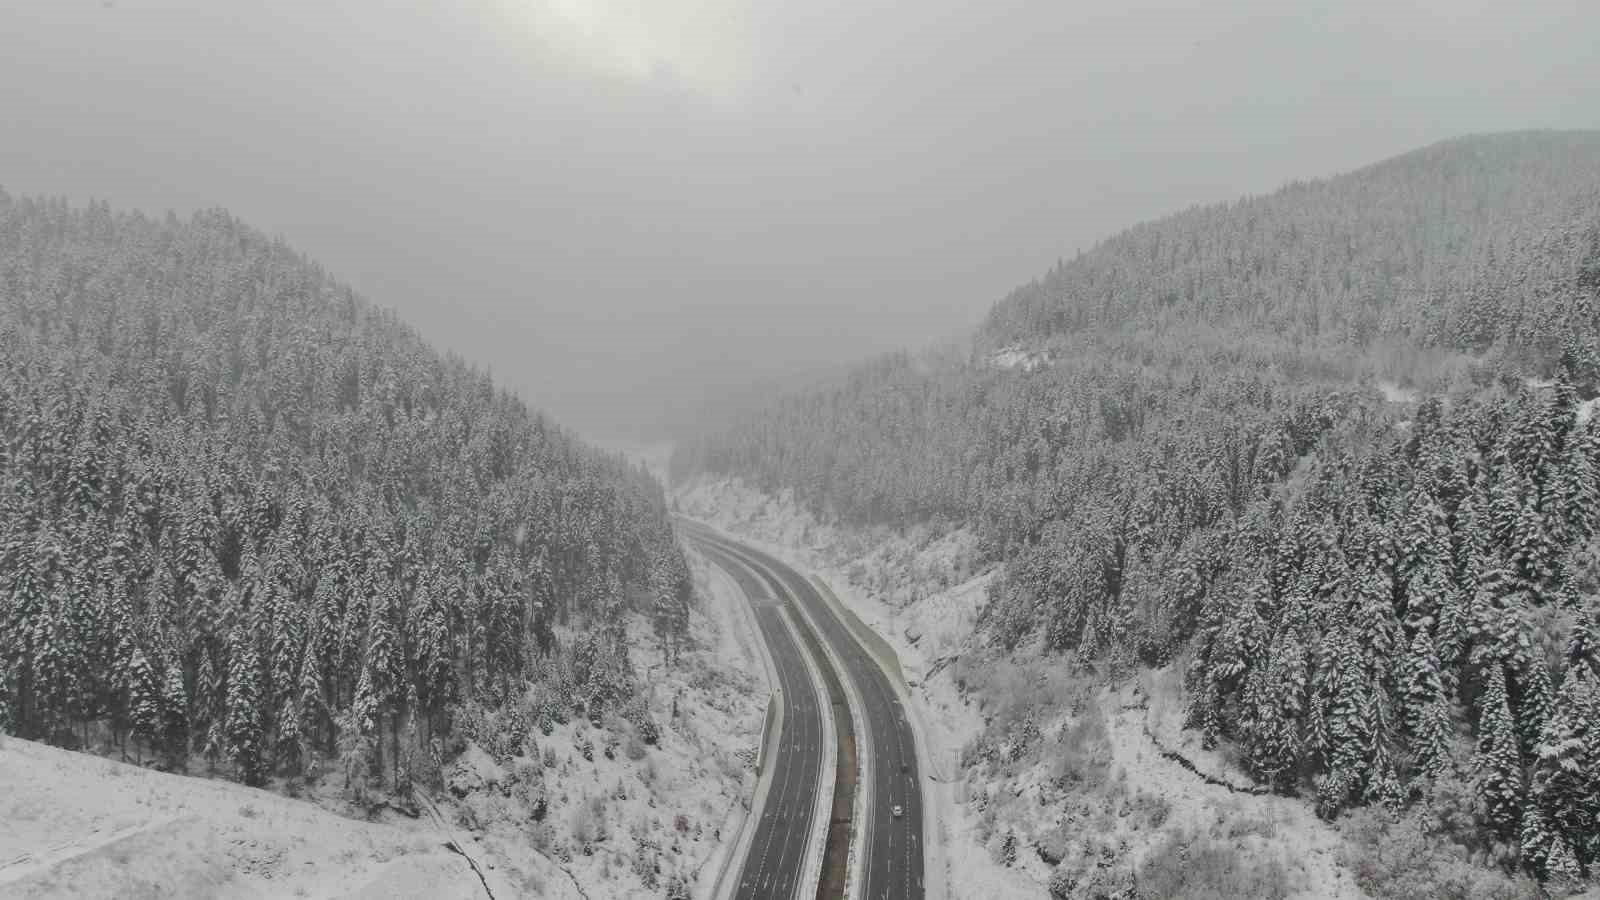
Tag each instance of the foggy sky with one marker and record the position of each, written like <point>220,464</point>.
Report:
<point>621,208</point>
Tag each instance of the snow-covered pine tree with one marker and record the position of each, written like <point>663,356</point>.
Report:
<point>8,699</point>
<point>309,700</point>
<point>208,705</point>
<point>1534,699</point>
<point>1272,703</point>
<point>175,713</point>
<point>1575,493</point>
<point>434,651</point>
<point>1583,644</point>
<point>1427,708</point>
<point>1498,763</point>
<point>1535,841</point>
<point>246,737</point>
<point>1566,772</point>
<point>1561,865</point>
<point>1350,737</point>
<point>144,699</point>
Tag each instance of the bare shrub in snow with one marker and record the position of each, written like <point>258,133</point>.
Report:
<point>581,822</point>
<point>1153,808</point>
<point>1187,865</point>
<point>1247,826</point>
<point>647,865</point>
<point>1083,755</point>
<point>542,837</point>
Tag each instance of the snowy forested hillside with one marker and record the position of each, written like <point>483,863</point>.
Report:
<point>247,515</point>
<point>1327,449</point>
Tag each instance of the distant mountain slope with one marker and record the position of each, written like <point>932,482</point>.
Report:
<point>1324,446</point>
<point>1469,255</point>
<point>246,514</point>
<point>1394,249</point>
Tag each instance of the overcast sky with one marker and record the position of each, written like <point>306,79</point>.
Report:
<point>624,207</point>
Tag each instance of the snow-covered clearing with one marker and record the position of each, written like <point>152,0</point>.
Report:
<point>923,591</point>
<point>1394,393</point>
<point>76,825</point>
<point>1015,357</point>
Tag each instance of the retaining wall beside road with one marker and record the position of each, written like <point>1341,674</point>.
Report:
<point>882,653</point>
<point>768,736</point>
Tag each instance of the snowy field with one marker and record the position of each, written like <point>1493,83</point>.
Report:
<point>75,825</point>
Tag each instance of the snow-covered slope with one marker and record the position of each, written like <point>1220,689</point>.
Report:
<point>75,825</point>
<point>621,819</point>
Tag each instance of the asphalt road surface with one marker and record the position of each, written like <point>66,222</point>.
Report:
<point>778,849</point>
<point>893,844</point>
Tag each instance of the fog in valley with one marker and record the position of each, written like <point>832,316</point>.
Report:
<point>630,211</point>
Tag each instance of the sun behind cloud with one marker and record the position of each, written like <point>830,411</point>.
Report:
<point>703,45</point>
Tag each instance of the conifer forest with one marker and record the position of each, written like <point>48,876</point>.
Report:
<point>251,521</point>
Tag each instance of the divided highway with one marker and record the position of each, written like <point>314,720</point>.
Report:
<point>892,845</point>
<point>775,865</point>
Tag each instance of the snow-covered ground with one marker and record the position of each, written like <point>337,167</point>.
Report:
<point>923,591</point>
<point>76,825</point>
<point>1268,826</point>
